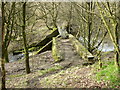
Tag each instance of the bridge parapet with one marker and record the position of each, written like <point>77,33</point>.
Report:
<point>56,52</point>
<point>81,50</point>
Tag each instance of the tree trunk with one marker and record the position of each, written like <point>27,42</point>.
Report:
<point>89,25</point>
<point>117,42</point>
<point>117,28</point>
<point>6,55</point>
<point>25,41</point>
<point>114,37</point>
<point>2,58</point>
<point>70,18</point>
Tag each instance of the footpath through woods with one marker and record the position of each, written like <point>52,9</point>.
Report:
<point>69,53</point>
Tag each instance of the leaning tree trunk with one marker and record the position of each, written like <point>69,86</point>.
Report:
<point>25,41</point>
<point>2,57</point>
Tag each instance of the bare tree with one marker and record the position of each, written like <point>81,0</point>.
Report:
<point>9,20</point>
<point>24,40</point>
<point>112,20</point>
<point>90,25</point>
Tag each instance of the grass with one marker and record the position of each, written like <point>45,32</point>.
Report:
<point>61,79</point>
<point>13,76</point>
<point>109,73</point>
<point>52,69</point>
<point>20,81</point>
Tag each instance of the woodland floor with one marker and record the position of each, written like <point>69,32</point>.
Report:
<point>69,73</point>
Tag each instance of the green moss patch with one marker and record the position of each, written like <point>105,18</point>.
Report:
<point>57,55</point>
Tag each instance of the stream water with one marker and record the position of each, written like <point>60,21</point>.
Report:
<point>17,57</point>
<point>105,46</point>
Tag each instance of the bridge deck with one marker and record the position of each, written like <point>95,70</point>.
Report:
<point>69,53</point>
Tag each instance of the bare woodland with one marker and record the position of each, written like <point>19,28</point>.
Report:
<point>71,35</point>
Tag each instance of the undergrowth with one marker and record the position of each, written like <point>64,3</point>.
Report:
<point>109,73</point>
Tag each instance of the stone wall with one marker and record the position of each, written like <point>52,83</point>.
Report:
<point>81,50</point>
<point>56,54</point>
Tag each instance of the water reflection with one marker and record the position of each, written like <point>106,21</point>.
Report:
<point>18,56</point>
<point>106,45</point>
<point>15,57</point>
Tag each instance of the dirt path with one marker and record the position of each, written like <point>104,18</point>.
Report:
<point>69,51</point>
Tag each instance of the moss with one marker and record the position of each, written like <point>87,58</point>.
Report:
<point>54,29</point>
<point>56,52</point>
<point>13,76</point>
<point>33,48</point>
<point>57,67</point>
